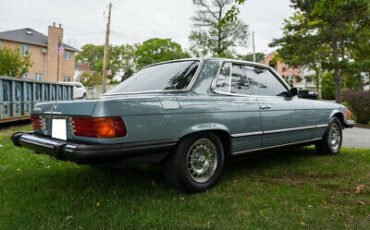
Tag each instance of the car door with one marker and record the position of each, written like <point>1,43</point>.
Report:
<point>240,107</point>
<point>285,119</point>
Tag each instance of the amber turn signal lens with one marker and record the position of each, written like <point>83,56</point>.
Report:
<point>105,127</point>
<point>348,114</point>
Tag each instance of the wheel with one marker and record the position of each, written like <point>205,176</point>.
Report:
<point>332,139</point>
<point>84,96</point>
<point>196,164</point>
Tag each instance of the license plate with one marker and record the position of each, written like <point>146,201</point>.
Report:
<point>59,129</point>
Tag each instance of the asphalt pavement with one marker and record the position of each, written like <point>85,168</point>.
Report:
<point>356,138</point>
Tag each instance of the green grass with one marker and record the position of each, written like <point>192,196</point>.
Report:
<point>292,189</point>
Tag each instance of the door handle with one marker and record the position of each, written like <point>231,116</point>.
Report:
<point>265,107</point>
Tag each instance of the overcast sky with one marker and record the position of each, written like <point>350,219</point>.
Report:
<point>133,21</point>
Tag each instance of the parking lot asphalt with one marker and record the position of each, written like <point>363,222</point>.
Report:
<point>356,138</point>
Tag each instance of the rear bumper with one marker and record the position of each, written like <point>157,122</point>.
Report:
<point>349,124</point>
<point>94,154</point>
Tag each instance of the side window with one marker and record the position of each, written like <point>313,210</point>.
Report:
<point>223,80</point>
<point>263,82</point>
<point>240,83</point>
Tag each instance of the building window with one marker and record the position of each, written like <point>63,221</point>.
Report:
<point>38,76</point>
<point>68,55</point>
<point>25,75</point>
<point>66,78</point>
<point>25,50</point>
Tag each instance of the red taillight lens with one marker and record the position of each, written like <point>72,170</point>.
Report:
<point>106,127</point>
<point>38,123</point>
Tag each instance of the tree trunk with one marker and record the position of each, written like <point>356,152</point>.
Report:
<point>337,75</point>
<point>318,86</point>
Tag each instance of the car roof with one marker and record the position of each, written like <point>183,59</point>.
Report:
<point>212,59</point>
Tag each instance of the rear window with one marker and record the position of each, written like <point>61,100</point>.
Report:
<point>169,76</point>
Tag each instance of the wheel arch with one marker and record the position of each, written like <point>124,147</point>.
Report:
<point>338,114</point>
<point>220,130</point>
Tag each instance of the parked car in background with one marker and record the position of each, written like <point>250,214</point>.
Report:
<point>307,94</point>
<point>190,115</point>
<point>79,91</point>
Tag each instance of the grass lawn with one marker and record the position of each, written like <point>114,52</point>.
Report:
<point>292,189</point>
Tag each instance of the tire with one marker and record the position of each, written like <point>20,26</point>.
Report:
<point>84,96</point>
<point>331,142</point>
<point>189,157</point>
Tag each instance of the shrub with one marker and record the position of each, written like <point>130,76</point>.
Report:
<point>359,104</point>
<point>328,86</point>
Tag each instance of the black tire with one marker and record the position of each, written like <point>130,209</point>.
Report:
<point>176,166</point>
<point>326,146</point>
<point>84,96</point>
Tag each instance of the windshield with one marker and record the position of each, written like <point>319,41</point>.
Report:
<point>168,76</point>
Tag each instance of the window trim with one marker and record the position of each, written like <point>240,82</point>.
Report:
<point>272,70</point>
<point>187,89</point>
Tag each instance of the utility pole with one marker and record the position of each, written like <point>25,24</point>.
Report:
<point>254,48</point>
<point>106,51</point>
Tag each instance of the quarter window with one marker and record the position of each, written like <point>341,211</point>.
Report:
<point>223,80</point>
<point>25,50</point>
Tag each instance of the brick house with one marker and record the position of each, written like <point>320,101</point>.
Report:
<point>44,52</point>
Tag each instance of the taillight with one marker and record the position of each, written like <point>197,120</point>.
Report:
<point>38,123</point>
<point>348,114</point>
<point>105,127</point>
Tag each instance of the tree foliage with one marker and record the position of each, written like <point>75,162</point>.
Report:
<point>334,32</point>
<point>249,57</point>
<point>214,33</point>
<point>120,57</point>
<point>12,63</point>
<point>88,78</point>
<point>157,50</point>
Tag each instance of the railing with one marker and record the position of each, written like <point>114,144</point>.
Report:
<point>18,96</point>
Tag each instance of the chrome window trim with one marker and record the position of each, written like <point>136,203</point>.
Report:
<point>279,130</point>
<point>187,89</point>
<point>276,146</point>
<point>272,70</point>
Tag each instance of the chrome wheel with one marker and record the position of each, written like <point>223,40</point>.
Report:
<point>202,160</point>
<point>335,137</point>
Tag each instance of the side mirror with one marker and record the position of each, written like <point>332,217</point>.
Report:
<point>293,92</point>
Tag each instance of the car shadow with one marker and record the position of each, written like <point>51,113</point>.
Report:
<point>150,180</point>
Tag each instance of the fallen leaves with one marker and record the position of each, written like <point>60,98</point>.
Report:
<point>325,202</point>
<point>98,204</point>
<point>361,202</point>
<point>154,183</point>
<point>261,212</point>
<point>303,223</point>
<point>359,188</point>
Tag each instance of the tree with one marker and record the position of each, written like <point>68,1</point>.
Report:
<point>12,63</point>
<point>249,57</point>
<point>335,27</point>
<point>298,49</point>
<point>88,78</point>
<point>120,57</point>
<point>214,33</point>
<point>157,50</point>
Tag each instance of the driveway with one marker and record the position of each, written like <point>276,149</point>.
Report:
<point>356,137</point>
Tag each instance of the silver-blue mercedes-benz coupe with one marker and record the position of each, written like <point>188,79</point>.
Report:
<point>190,115</point>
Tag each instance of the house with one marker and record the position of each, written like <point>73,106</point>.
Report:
<point>294,76</point>
<point>52,59</point>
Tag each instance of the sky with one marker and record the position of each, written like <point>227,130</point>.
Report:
<point>134,21</point>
